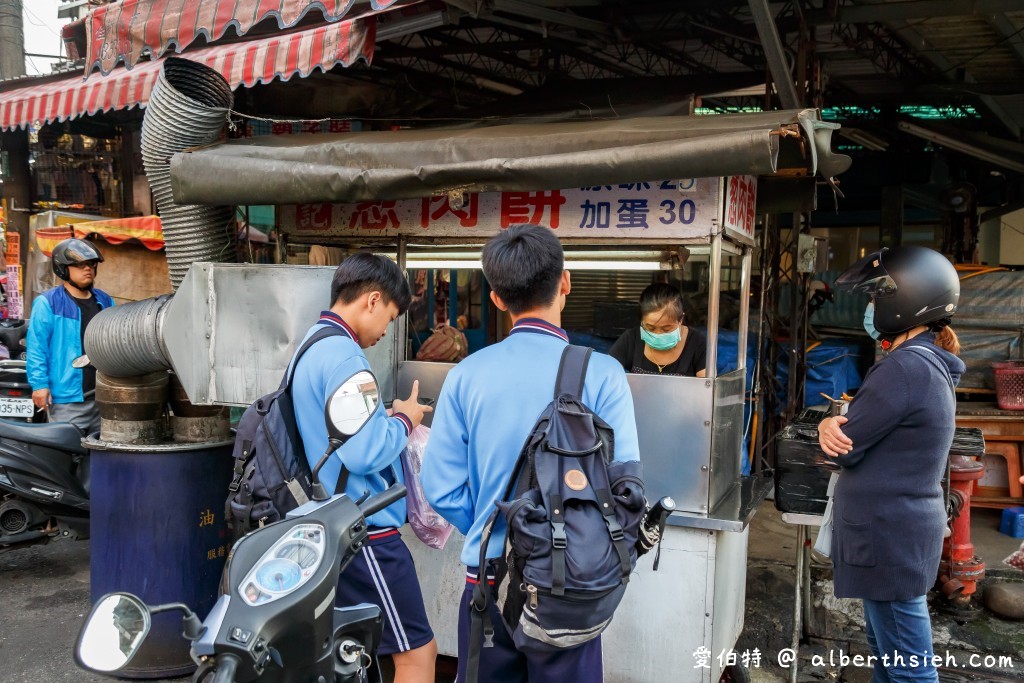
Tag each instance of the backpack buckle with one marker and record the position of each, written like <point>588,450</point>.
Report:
<point>488,634</point>
<point>614,529</point>
<point>558,538</point>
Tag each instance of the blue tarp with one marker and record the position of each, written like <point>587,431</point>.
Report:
<point>832,368</point>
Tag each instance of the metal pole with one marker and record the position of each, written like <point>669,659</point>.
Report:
<point>12,40</point>
<point>402,324</point>
<point>714,296</point>
<point>774,53</point>
<point>797,328</point>
<point>741,361</point>
<point>801,536</point>
<point>764,374</point>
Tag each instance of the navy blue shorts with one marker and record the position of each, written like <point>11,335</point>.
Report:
<point>503,663</point>
<point>383,573</point>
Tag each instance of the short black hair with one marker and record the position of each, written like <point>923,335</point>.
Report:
<point>659,295</point>
<point>523,265</point>
<point>363,272</point>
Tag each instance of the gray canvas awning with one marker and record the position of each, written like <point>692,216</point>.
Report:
<point>408,164</point>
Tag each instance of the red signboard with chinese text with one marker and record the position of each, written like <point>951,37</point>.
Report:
<point>683,209</point>
<point>741,206</point>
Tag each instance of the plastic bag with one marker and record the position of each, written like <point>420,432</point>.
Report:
<point>823,544</point>
<point>1016,560</point>
<point>429,527</point>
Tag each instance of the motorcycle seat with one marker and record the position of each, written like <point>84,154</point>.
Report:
<point>60,435</point>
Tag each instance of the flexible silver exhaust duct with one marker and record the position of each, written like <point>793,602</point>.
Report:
<point>125,341</point>
<point>187,108</point>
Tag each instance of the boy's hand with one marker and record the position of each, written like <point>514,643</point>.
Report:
<point>831,437</point>
<point>411,406</point>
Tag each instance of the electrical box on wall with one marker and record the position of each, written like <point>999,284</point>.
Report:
<point>812,254</point>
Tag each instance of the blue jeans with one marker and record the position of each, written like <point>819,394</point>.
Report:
<point>900,632</point>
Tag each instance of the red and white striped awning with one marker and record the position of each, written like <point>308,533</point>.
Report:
<point>248,63</point>
<point>127,30</point>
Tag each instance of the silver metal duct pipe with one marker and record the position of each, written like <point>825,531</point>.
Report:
<point>127,340</point>
<point>188,108</point>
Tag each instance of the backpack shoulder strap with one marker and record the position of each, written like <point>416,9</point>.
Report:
<point>327,331</point>
<point>572,371</point>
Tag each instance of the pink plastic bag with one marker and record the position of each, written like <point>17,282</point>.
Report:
<point>1017,559</point>
<point>429,527</point>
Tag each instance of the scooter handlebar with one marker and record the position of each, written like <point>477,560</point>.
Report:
<point>375,504</point>
<point>227,665</point>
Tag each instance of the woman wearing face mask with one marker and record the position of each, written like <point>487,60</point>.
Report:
<point>893,445</point>
<point>662,345</point>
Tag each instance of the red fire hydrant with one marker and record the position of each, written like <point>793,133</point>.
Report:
<point>960,569</point>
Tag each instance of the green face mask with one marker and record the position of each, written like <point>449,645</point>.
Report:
<point>660,342</point>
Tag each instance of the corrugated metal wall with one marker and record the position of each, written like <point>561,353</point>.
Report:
<point>589,286</point>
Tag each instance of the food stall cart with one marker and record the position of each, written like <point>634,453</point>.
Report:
<point>690,428</point>
<point>430,199</point>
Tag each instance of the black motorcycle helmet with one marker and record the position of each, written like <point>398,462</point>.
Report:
<point>70,252</point>
<point>910,286</point>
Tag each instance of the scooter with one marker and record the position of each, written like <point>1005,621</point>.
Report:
<point>13,333</point>
<point>44,477</point>
<point>276,621</point>
<point>15,391</point>
<point>44,483</point>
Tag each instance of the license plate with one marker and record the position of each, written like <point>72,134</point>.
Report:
<point>16,407</point>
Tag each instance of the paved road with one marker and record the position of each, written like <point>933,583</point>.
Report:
<point>44,597</point>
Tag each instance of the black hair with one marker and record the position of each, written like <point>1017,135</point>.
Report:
<point>659,295</point>
<point>523,265</point>
<point>362,272</point>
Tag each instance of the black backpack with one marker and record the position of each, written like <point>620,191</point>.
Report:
<point>271,473</point>
<point>573,516</point>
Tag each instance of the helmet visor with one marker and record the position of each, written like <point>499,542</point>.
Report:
<point>868,276</point>
<point>75,251</point>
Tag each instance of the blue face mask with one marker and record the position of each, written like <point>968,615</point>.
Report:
<point>869,322</point>
<point>660,342</point>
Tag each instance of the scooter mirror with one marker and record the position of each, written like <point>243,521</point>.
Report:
<point>80,362</point>
<point>351,405</point>
<point>113,633</point>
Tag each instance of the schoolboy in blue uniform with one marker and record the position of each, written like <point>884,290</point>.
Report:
<point>487,407</point>
<point>368,292</point>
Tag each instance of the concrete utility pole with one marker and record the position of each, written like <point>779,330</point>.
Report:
<point>12,40</point>
<point>17,186</point>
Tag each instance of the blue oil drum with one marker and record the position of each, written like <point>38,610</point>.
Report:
<point>157,531</point>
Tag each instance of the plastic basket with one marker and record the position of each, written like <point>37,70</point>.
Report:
<point>1009,376</point>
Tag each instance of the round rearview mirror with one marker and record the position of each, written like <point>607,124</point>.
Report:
<point>351,405</point>
<point>80,362</point>
<point>113,633</point>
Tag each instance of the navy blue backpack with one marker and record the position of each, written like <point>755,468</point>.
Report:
<point>573,515</point>
<point>271,473</point>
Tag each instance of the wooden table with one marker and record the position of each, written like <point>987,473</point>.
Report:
<point>1004,436</point>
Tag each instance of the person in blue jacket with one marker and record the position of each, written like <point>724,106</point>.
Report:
<point>893,444</point>
<point>367,293</point>
<point>487,407</point>
<point>56,336</point>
